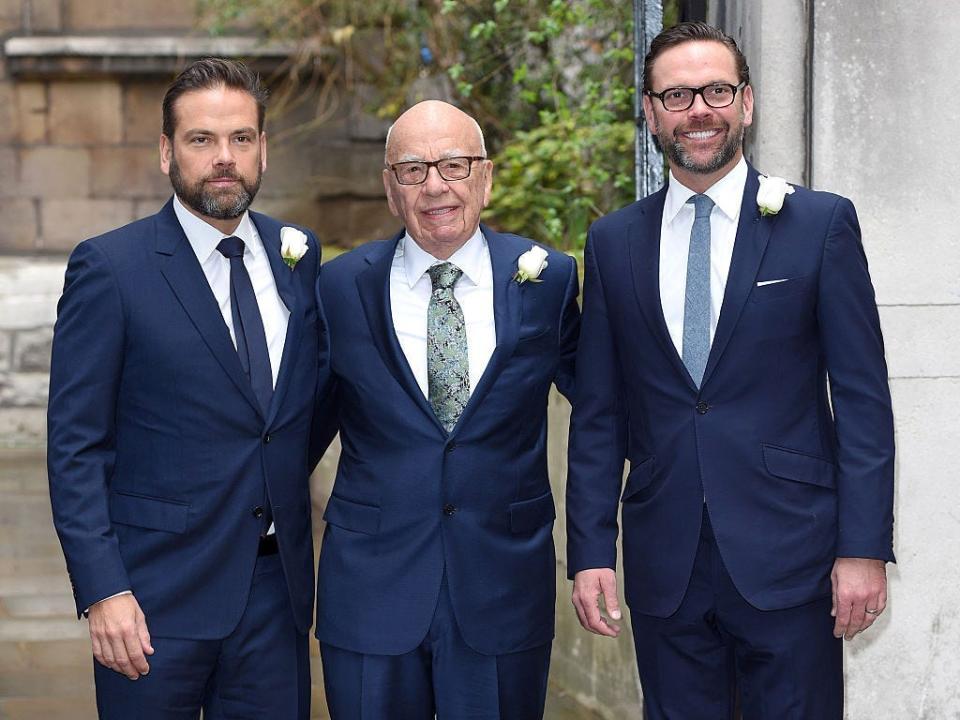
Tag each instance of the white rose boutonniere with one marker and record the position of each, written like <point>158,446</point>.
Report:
<point>293,245</point>
<point>530,265</point>
<point>771,194</point>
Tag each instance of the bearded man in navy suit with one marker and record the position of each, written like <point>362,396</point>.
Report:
<point>731,351</point>
<point>437,570</point>
<point>182,389</point>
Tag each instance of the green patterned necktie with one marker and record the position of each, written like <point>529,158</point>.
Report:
<point>448,376</point>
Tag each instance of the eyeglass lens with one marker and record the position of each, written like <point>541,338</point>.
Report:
<point>414,173</point>
<point>716,96</point>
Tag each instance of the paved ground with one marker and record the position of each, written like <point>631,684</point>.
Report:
<point>45,661</point>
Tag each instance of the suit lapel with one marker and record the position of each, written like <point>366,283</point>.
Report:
<point>183,273</point>
<point>289,292</point>
<point>373,285</point>
<point>753,234</point>
<point>643,243</point>
<point>507,311</point>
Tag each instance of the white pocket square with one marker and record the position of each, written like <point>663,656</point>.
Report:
<point>771,282</point>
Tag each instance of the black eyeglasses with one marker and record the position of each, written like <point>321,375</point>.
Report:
<point>716,95</point>
<point>415,173</point>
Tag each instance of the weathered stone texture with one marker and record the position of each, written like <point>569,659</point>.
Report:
<point>67,222</point>
<point>6,350</point>
<point>347,222</point>
<point>8,113</point>
<point>54,172</point>
<point>8,172</point>
<point>19,389</point>
<point>31,350</point>
<point>29,289</point>
<point>128,172</point>
<point>10,15</point>
<point>18,228</point>
<point>32,112</point>
<point>23,427</point>
<point>108,15</point>
<point>85,112</point>
<point>142,117</point>
<point>44,15</point>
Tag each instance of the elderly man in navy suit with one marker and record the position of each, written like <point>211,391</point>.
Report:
<point>182,389</point>
<point>731,351</point>
<point>437,571</point>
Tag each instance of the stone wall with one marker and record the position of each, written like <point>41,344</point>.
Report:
<point>81,82</point>
<point>78,138</point>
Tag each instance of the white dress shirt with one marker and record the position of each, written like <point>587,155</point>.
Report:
<point>410,290</point>
<point>204,239</point>
<point>675,227</point>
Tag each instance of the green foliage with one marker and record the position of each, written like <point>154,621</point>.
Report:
<point>550,81</point>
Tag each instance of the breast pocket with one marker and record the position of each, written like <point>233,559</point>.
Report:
<point>777,290</point>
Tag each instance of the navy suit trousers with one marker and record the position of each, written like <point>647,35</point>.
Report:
<point>260,670</point>
<point>443,678</point>
<point>783,664</point>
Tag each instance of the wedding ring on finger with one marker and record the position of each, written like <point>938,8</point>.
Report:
<point>872,612</point>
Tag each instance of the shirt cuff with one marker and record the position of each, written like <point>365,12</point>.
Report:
<point>125,592</point>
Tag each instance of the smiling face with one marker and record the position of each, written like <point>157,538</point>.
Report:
<point>440,215</point>
<point>216,157</point>
<point>702,143</point>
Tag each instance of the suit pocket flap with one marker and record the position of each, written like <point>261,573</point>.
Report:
<point>527,515</point>
<point>799,467</point>
<point>148,512</point>
<point>352,515</point>
<point>639,477</point>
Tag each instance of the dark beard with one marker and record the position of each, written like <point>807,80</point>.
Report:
<point>220,205</point>
<point>678,156</point>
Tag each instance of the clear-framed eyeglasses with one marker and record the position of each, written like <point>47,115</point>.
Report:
<point>450,169</point>
<point>715,95</point>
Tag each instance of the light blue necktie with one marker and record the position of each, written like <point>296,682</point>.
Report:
<point>696,305</point>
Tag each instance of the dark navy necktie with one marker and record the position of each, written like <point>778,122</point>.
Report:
<point>248,324</point>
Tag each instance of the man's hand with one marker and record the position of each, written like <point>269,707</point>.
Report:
<point>118,633</point>
<point>588,587</point>
<point>859,594</point>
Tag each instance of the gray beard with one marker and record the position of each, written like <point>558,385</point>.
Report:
<point>678,156</point>
<point>214,205</point>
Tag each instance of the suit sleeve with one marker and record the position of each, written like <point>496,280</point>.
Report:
<point>859,392</point>
<point>597,446</point>
<point>325,416</point>
<point>85,376</point>
<point>569,334</point>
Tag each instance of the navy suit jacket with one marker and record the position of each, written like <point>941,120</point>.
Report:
<point>157,449</point>
<point>412,503</point>
<point>793,475</point>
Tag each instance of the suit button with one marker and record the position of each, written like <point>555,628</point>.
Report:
<point>258,512</point>
<point>266,439</point>
<point>702,407</point>
<point>449,510</point>
<point>451,447</point>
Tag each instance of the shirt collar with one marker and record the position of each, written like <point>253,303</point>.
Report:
<point>469,257</point>
<point>204,237</point>
<point>726,193</point>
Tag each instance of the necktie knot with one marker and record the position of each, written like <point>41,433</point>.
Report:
<point>444,275</point>
<point>231,247</point>
<point>702,205</point>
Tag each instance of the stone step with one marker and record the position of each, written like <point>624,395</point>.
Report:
<point>75,707</point>
<point>40,630</point>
